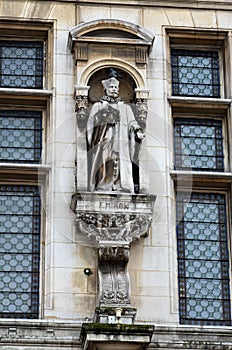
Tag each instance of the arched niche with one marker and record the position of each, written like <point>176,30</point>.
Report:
<point>98,46</point>
<point>89,70</point>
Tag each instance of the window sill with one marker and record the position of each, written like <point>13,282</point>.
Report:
<point>202,179</point>
<point>179,101</point>
<point>32,98</point>
<point>23,173</point>
<point>28,92</point>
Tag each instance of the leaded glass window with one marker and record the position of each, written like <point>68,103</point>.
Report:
<point>19,251</point>
<point>198,144</point>
<point>203,259</point>
<point>195,73</point>
<point>21,64</point>
<point>20,136</point>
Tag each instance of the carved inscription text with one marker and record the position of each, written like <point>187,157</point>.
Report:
<point>114,205</point>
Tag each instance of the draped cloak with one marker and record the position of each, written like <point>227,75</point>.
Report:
<point>107,137</point>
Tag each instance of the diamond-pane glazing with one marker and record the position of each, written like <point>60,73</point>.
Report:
<point>195,73</point>
<point>198,144</point>
<point>19,251</point>
<point>203,263</point>
<point>20,136</point>
<point>21,64</point>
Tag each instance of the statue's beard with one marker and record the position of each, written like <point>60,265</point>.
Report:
<point>113,95</point>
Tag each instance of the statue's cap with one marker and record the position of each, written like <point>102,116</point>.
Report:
<point>106,83</point>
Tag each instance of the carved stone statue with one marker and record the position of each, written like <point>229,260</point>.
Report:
<point>114,139</point>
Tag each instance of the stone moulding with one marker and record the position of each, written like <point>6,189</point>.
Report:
<point>104,336</point>
<point>125,31</point>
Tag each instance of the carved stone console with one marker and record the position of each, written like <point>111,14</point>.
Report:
<point>113,221</point>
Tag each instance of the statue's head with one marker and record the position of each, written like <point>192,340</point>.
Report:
<point>111,87</point>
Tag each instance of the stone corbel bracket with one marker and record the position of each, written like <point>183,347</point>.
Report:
<point>112,222</point>
<point>119,219</point>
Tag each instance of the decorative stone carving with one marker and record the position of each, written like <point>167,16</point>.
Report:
<point>141,112</point>
<point>81,109</point>
<point>113,276</point>
<point>141,106</point>
<point>113,221</point>
<point>117,227</point>
<point>81,105</point>
<point>110,217</point>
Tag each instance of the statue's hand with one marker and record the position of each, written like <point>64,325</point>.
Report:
<point>139,135</point>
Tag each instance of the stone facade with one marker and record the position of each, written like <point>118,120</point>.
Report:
<point>141,33</point>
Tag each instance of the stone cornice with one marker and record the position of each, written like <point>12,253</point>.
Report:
<point>68,333</point>
<point>195,4</point>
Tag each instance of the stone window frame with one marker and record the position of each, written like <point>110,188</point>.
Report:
<point>182,276</point>
<point>199,181</point>
<point>31,100</point>
<point>201,40</point>
<point>22,228</point>
<point>208,115</point>
<point>216,85</point>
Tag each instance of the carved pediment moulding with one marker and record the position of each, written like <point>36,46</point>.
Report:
<point>109,32</point>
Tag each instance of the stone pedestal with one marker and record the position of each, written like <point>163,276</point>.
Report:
<point>113,221</point>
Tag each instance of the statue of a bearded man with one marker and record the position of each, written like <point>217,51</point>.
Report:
<point>114,139</point>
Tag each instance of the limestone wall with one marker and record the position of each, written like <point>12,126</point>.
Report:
<point>66,292</point>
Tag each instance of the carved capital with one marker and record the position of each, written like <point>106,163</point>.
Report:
<point>81,104</point>
<point>142,106</point>
<point>141,112</point>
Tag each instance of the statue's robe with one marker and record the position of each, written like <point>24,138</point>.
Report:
<point>110,132</point>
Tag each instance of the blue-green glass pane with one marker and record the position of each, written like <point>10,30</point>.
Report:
<point>20,136</point>
<point>205,309</point>
<point>203,262</point>
<point>202,269</point>
<point>203,288</point>
<point>195,73</point>
<point>198,144</point>
<point>19,251</point>
<point>21,64</point>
